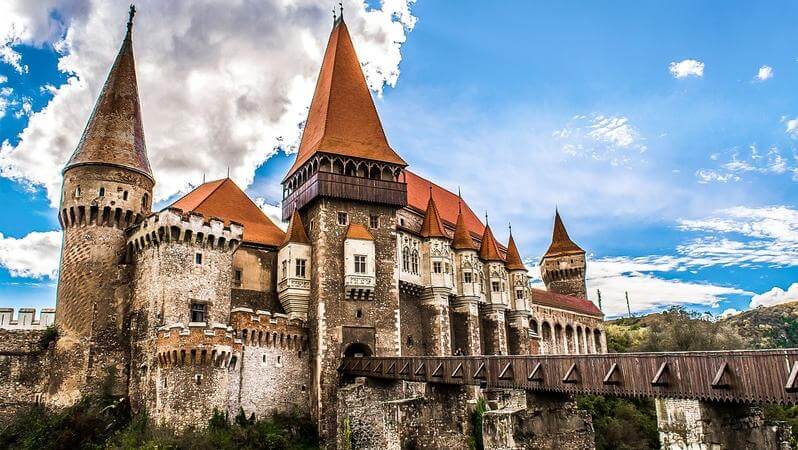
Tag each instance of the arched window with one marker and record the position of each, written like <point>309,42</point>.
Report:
<point>124,195</point>
<point>414,262</point>
<point>144,199</point>
<point>406,259</point>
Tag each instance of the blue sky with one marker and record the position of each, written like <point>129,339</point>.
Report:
<point>663,131</point>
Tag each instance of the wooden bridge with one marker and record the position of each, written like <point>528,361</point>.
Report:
<point>747,376</point>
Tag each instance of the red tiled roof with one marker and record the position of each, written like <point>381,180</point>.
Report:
<point>342,119</point>
<point>114,133</point>
<point>567,302</point>
<point>432,226</point>
<point>225,200</point>
<point>513,257</point>
<point>462,238</point>
<point>489,249</point>
<point>561,243</point>
<point>296,231</point>
<point>358,231</point>
<point>448,204</point>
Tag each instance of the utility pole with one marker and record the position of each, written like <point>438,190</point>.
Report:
<point>598,291</point>
<point>628,308</point>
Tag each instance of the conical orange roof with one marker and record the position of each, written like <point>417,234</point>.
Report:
<point>114,134</point>
<point>561,243</point>
<point>489,250</point>
<point>432,225</point>
<point>462,237</point>
<point>342,119</point>
<point>225,200</point>
<point>358,231</point>
<point>296,231</point>
<point>513,261</point>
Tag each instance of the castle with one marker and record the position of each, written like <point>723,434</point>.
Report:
<point>207,304</point>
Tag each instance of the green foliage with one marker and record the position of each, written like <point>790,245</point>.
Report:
<point>622,423</point>
<point>50,335</point>
<point>787,335</point>
<point>475,441</point>
<point>677,329</point>
<point>97,423</point>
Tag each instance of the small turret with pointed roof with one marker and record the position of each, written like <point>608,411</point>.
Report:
<point>513,261</point>
<point>296,231</point>
<point>114,134</point>
<point>432,226</point>
<point>462,239</point>
<point>563,267</point>
<point>489,249</point>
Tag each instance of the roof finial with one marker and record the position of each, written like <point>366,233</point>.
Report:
<point>486,218</point>
<point>510,226</point>
<point>203,177</point>
<point>459,201</point>
<point>430,191</point>
<point>341,6</point>
<point>131,13</point>
<point>228,171</point>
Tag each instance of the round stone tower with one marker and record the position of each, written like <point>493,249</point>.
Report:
<point>107,187</point>
<point>563,266</point>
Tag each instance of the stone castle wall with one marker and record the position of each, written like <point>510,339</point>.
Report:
<point>22,378</point>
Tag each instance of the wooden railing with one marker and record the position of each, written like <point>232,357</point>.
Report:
<point>755,376</point>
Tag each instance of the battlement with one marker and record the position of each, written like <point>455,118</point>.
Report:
<point>107,215</point>
<point>197,344</point>
<point>26,319</point>
<point>266,329</point>
<point>173,225</point>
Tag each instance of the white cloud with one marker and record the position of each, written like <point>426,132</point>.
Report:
<point>601,138</point>
<point>3,79</point>
<point>776,296</point>
<point>687,68</point>
<point>221,84</point>
<point>5,100</point>
<point>765,73</point>
<point>791,127</point>
<point>772,162</point>
<point>274,211</point>
<point>34,256</point>
<point>707,176</point>
<point>728,312</point>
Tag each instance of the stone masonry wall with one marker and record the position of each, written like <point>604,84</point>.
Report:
<point>413,342</point>
<point>22,362</point>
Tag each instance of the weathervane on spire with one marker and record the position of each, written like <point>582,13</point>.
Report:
<point>131,13</point>
<point>459,201</point>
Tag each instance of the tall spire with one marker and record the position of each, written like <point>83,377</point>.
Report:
<point>432,225</point>
<point>114,134</point>
<point>513,261</point>
<point>561,243</point>
<point>489,250</point>
<point>343,119</point>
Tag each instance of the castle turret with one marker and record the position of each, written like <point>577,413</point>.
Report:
<point>468,289</point>
<point>437,279</point>
<point>496,297</point>
<point>563,266</point>
<point>107,187</point>
<point>520,338</point>
<point>293,259</point>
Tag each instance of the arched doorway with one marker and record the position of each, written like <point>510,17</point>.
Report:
<point>357,350</point>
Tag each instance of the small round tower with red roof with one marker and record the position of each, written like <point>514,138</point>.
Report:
<point>563,266</point>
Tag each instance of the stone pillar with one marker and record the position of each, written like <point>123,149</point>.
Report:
<point>466,317</point>
<point>494,328</point>
<point>435,317</point>
<point>699,425</point>
<point>518,340</point>
<point>542,421</point>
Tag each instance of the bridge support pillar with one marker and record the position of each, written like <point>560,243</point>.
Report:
<point>539,420</point>
<point>493,325</point>
<point>699,425</point>
<point>435,317</point>
<point>519,341</point>
<point>466,325</point>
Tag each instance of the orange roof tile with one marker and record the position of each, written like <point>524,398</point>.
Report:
<point>296,231</point>
<point>358,231</point>
<point>114,133</point>
<point>225,200</point>
<point>432,225</point>
<point>462,238</point>
<point>447,203</point>
<point>567,302</point>
<point>489,250</point>
<point>342,119</point>
<point>513,257</point>
<point>561,243</point>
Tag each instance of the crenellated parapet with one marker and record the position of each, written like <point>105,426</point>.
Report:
<point>196,344</point>
<point>173,225</point>
<point>266,329</point>
<point>26,319</point>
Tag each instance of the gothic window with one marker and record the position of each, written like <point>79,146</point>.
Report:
<point>405,259</point>
<point>342,218</point>
<point>467,277</point>
<point>519,294</point>
<point>198,258</point>
<point>414,262</point>
<point>436,266</point>
<point>284,270</point>
<point>198,312</point>
<point>360,263</point>
<point>374,221</point>
<point>300,268</point>
<point>102,191</point>
<point>77,192</point>
<point>495,286</point>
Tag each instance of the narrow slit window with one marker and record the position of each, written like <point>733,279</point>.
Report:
<point>102,192</point>
<point>198,258</point>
